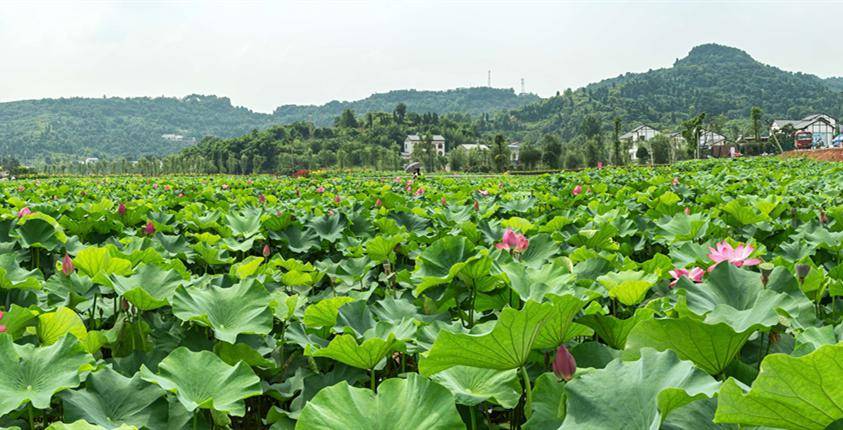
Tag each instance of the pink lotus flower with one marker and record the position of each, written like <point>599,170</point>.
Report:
<point>337,199</point>
<point>225,186</point>
<point>483,192</point>
<point>21,188</point>
<point>149,229</point>
<point>121,209</point>
<point>155,186</point>
<point>250,182</point>
<point>675,181</point>
<point>398,180</point>
<point>564,364</point>
<point>599,164</point>
<point>261,198</point>
<point>513,241</point>
<point>330,212</point>
<point>2,327</point>
<point>419,192</point>
<point>266,251</point>
<point>687,210</point>
<point>443,201</point>
<point>378,203</point>
<point>577,190</point>
<point>167,188</point>
<point>67,265</point>
<point>180,195</point>
<point>695,274</point>
<point>319,190</point>
<point>24,212</point>
<point>408,188</point>
<point>739,256</point>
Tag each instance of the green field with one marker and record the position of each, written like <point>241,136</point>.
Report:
<point>696,296</point>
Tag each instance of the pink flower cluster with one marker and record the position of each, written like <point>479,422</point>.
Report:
<point>512,241</point>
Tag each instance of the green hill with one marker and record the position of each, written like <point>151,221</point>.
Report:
<point>472,101</point>
<point>721,81</point>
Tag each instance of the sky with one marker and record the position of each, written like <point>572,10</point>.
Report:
<point>265,54</point>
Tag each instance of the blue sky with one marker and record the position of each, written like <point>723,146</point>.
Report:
<point>264,54</point>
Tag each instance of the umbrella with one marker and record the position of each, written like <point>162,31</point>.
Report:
<point>412,166</point>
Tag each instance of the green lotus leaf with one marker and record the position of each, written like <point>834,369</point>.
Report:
<point>681,228</point>
<point>30,374</point>
<point>201,380</point>
<point>505,347</point>
<point>541,249</point>
<point>614,331</point>
<point>111,400</point>
<point>17,319</point>
<point>710,347</point>
<point>634,394</point>
<point>534,283</point>
<point>39,230</point>
<point>233,244</point>
<point>53,326</point>
<point>733,296</point>
<point>381,249</point>
<point>798,393</point>
<point>12,276</point>
<point>697,415</point>
<point>558,323</point>
<point>98,264</point>
<point>150,287</point>
<point>473,385</point>
<point>247,267</point>
<point>84,425</point>
<point>324,313</point>
<point>814,337</point>
<point>412,403</point>
<point>548,403</point>
<point>744,214</point>
<point>244,224</point>
<point>241,308</point>
<point>328,227</point>
<point>345,349</point>
<point>628,287</point>
<point>440,262</point>
<point>232,354</point>
<point>298,240</point>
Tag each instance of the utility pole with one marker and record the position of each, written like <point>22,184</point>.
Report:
<point>522,86</point>
<point>489,79</point>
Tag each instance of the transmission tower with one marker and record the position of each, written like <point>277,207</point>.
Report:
<point>522,86</point>
<point>489,79</point>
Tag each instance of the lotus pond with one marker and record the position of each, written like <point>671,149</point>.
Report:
<point>697,296</point>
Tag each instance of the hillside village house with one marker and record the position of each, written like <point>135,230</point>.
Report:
<point>642,133</point>
<point>414,139</point>
<point>514,152</point>
<point>823,128</point>
<point>708,139</point>
<point>473,147</point>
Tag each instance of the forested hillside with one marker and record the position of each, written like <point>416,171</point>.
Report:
<point>472,101</point>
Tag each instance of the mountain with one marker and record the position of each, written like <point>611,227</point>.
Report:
<point>472,101</point>
<point>835,83</point>
<point>721,81</point>
<point>74,128</point>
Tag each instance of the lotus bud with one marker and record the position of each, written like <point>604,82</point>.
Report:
<point>261,198</point>
<point>67,265</point>
<point>444,202</point>
<point>802,271</point>
<point>24,212</point>
<point>675,181</point>
<point>2,327</point>
<point>564,364</point>
<point>337,199</point>
<point>266,251</point>
<point>149,229</point>
<point>121,209</point>
<point>378,203</point>
<point>577,190</point>
<point>599,165</point>
<point>766,270</point>
<point>823,217</point>
<point>687,210</point>
<point>476,205</point>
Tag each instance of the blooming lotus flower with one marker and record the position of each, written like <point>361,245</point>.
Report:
<point>675,181</point>
<point>266,251</point>
<point>24,212</point>
<point>250,182</point>
<point>419,192</point>
<point>513,241</point>
<point>599,164</point>
<point>2,327</point>
<point>739,256</point>
<point>398,180</point>
<point>167,188</point>
<point>483,192</point>
<point>155,186</point>
<point>121,209</point>
<point>149,229</point>
<point>225,186</point>
<point>408,188</point>
<point>577,190</point>
<point>564,364</point>
<point>695,274</point>
<point>319,190</point>
<point>67,265</point>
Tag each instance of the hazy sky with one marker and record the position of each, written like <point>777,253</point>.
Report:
<point>264,54</point>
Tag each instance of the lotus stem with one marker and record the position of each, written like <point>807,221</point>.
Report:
<point>528,389</point>
<point>472,411</point>
<point>372,379</point>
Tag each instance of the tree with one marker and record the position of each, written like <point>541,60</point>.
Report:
<point>551,151</point>
<point>691,131</point>
<point>660,149</point>
<point>590,126</point>
<point>755,117</point>
<point>346,120</point>
<point>500,153</point>
<point>617,158</point>
<point>400,112</point>
<point>530,156</point>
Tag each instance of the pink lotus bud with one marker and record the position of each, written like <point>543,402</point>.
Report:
<point>687,210</point>
<point>167,188</point>
<point>24,212</point>
<point>225,186</point>
<point>261,198</point>
<point>444,202</point>
<point>675,181</point>
<point>408,188</point>
<point>483,192</point>
<point>599,164</point>
<point>337,199</point>
<point>320,190</point>
<point>378,203</point>
<point>419,192</point>
<point>266,251</point>
<point>564,364</point>
<point>121,209</point>
<point>67,265</point>
<point>155,186</point>
<point>2,327</point>
<point>476,205</point>
<point>250,182</point>
<point>577,190</point>
<point>330,212</point>
<point>181,195</point>
<point>149,229</point>
<point>21,189</point>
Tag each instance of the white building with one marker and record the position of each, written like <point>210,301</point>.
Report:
<point>710,138</point>
<point>91,160</point>
<point>514,152</point>
<point>823,128</point>
<point>414,139</point>
<point>642,133</point>
<point>473,147</point>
